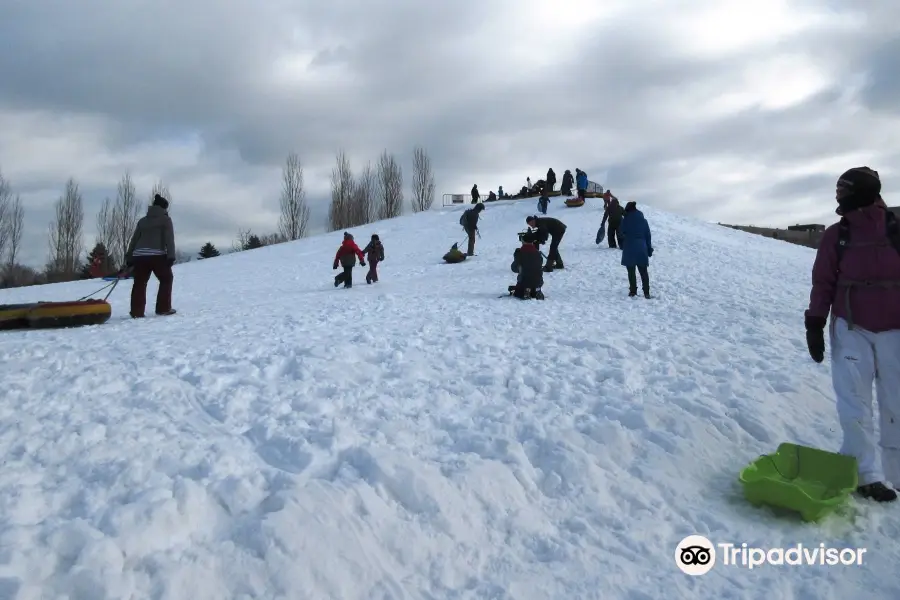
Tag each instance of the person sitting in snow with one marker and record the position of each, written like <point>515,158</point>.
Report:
<point>528,263</point>
<point>374,252</point>
<point>858,286</point>
<point>346,255</point>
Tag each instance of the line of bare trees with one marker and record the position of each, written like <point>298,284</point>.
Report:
<point>377,192</point>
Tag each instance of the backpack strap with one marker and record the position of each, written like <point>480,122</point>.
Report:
<point>843,240</point>
<point>892,229</point>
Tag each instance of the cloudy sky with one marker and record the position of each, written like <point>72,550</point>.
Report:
<point>727,110</point>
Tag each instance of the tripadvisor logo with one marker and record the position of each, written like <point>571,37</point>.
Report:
<point>697,555</point>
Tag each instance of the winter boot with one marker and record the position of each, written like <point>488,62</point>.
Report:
<point>632,293</point>
<point>337,280</point>
<point>167,313</point>
<point>646,294</point>
<point>877,491</point>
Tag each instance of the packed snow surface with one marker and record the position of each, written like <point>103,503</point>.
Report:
<point>422,438</point>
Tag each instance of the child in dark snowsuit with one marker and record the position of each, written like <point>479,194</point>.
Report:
<point>374,252</point>
<point>346,255</point>
<point>529,265</point>
<point>543,201</point>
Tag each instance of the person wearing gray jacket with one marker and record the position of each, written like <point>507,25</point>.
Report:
<point>152,251</point>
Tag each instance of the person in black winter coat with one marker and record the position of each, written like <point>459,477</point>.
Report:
<point>548,227</point>
<point>475,195</point>
<point>551,181</point>
<point>469,222</point>
<point>527,263</point>
<point>567,182</point>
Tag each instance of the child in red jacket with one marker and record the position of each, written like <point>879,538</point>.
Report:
<point>346,255</point>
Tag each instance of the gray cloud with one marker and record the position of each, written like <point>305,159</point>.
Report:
<point>743,117</point>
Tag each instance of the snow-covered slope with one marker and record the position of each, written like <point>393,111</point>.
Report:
<point>421,437</point>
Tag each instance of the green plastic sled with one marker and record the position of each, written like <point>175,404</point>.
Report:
<point>807,480</point>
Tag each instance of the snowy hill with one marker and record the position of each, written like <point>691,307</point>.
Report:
<point>422,438</point>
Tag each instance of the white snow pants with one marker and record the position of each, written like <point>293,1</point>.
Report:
<point>860,358</point>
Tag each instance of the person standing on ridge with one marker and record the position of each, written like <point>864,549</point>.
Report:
<point>550,181</point>
<point>637,248</point>
<point>469,222</point>
<point>856,281</point>
<point>548,227</point>
<point>152,251</point>
<point>567,181</point>
<point>475,195</point>
<point>581,182</point>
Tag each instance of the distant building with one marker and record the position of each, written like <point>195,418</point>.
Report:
<point>814,227</point>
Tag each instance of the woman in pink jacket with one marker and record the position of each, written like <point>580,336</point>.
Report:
<point>856,279</point>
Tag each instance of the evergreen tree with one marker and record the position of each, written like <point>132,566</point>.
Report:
<point>208,251</point>
<point>99,255</point>
<point>253,242</point>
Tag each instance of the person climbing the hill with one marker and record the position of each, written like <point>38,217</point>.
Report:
<point>637,248</point>
<point>567,181</point>
<point>543,201</point>
<point>607,198</point>
<point>856,281</point>
<point>581,182</point>
<point>527,259</point>
<point>374,252</point>
<point>554,229</point>
<point>475,195</point>
<point>613,214</point>
<point>469,222</point>
<point>152,251</point>
<point>550,181</point>
<point>346,255</point>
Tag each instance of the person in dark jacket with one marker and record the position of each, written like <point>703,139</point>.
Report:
<point>550,181</point>
<point>374,252</point>
<point>567,182</point>
<point>637,248</point>
<point>469,221</point>
<point>613,214</point>
<point>860,290</point>
<point>548,227</point>
<point>528,263</point>
<point>475,195</point>
<point>346,255</point>
<point>152,251</point>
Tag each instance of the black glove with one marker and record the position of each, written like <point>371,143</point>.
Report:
<point>171,261</point>
<point>649,252</point>
<point>334,266</point>
<point>362,263</point>
<point>815,337</point>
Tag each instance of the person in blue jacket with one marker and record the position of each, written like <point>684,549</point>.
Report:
<point>581,182</point>
<point>637,248</point>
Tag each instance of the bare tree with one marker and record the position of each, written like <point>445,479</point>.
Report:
<point>294,220</point>
<point>423,181</point>
<point>125,215</point>
<point>362,207</point>
<point>340,211</point>
<point>390,187</point>
<point>15,227</point>
<point>6,201</point>
<point>163,190</point>
<point>106,233</point>
<point>66,241</point>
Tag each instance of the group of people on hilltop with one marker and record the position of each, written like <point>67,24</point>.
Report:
<point>629,231</point>
<point>542,187</point>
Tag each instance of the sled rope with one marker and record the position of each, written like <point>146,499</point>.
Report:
<point>111,286</point>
